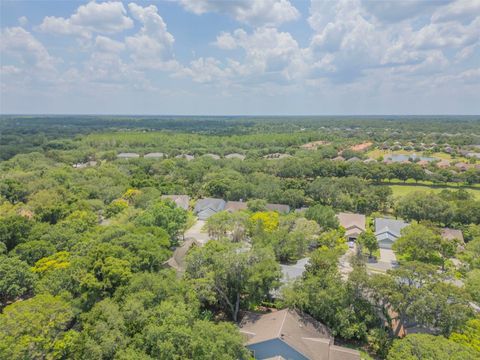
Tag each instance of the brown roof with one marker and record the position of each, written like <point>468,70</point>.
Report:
<point>349,221</point>
<point>235,206</point>
<point>300,331</point>
<point>314,145</point>
<point>278,207</point>
<point>452,234</point>
<point>443,163</point>
<point>182,201</point>
<point>423,163</point>
<point>361,147</point>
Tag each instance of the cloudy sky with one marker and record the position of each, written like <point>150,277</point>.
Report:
<point>209,57</point>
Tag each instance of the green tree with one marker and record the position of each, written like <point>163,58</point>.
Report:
<point>421,205</point>
<point>34,328</point>
<point>16,279</point>
<point>165,214</point>
<point>14,229</point>
<point>472,284</point>
<point>429,347</point>
<point>229,276</point>
<point>418,243</point>
<point>368,240</point>
<point>323,215</point>
<point>469,335</point>
<point>32,251</point>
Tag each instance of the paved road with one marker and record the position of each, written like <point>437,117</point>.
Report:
<point>197,233</point>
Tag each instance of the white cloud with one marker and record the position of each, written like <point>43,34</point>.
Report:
<point>107,17</point>
<point>105,44</point>
<point>256,13</point>
<point>23,21</point>
<point>22,45</point>
<point>151,46</point>
<point>463,10</point>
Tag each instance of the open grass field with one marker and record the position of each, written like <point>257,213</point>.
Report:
<point>402,190</point>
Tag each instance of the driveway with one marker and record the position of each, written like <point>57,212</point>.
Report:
<point>344,262</point>
<point>197,233</point>
<point>386,261</point>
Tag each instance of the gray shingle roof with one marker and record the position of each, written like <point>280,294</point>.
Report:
<point>390,226</point>
<point>204,208</point>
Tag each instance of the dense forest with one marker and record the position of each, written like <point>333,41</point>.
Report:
<point>86,234</point>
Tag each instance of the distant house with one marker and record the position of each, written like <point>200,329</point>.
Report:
<point>369,160</point>
<point>204,208</point>
<point>290,334</point>
<point>128,155</point>
<point>462,166</point>
<point>354,224</point>
<point>387,231</point>
<point>213,156</point>
<point>232,206</point>
<point>235,156</point>
<point>182,201</point>
<point>338,158</point>
<point>423,163</point>
<point>361,147</point>
<point>314,145</point>
<point>85,165</point>
<point>154,155</point>
<point>185,156</point>
<point>284,209</point>
<point>453,234</point>
<point>443,164</point>
<point>277,156</point>
<point>177,261</point>
<point>353,159</point>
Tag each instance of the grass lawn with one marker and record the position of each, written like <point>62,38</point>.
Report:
<point>402,190</point>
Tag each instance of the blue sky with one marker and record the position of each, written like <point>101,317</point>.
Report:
<point>279,57</point>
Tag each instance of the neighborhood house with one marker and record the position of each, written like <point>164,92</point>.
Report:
<point>204,208</point>
<point>354,225</point>
<point>289,334</point>
<point>387,231</point>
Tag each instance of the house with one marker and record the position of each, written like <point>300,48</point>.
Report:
<point>277,156</point>
<point>285,209</point>
<point>213,156</point>
<point>232,206</point>
<point>154,155</point>
<point>235,156</point>
<point>387,231</point>
<point>462,166</point>
<point>354,224</point>
<point>85,165</point>
<point>443,164</point>
<point>185,156</point>
<point>314,145</point>
<point>453,234</point>
<point>338,158</point>
<point>290,334</point>
<point>354,159</point>
<point>361,147</point>
<point>204,208</point>
<point>423,163</point>
<point>369,160</point>
<point>128,155</point>
<point>182,201</point>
